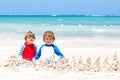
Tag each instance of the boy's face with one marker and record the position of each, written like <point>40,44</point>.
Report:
<point>29,40</point>
<point>48,40</point>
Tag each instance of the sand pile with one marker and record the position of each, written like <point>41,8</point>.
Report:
<point>14,62</point>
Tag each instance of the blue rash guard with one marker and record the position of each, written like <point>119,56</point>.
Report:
<point>48,52</point>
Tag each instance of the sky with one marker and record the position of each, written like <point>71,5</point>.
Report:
<point>60,7</point>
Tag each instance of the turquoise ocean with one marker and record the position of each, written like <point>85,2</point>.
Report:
<point>64,26</point>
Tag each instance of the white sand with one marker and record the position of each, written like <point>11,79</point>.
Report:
<point>84,47</point>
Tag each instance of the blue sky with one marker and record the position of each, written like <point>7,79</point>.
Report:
<point>60,7</point>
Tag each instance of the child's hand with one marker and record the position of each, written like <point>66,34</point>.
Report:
<point>63,61</point>
<point>19,56</point>
<point>35,63</point>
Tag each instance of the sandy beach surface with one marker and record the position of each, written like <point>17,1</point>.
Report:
<point>89,59</point>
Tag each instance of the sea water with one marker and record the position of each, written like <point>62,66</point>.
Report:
<point>64,26</point>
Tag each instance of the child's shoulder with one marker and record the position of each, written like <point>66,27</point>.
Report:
<point>54,45</point>
<point>42,45</point>
<point>23,45</point>
<point>34,45</point>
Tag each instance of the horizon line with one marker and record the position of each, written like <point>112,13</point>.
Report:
<point>63,15</point>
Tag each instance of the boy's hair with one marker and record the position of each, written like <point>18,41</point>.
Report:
<point>30,34</point>
<point>49,34</point>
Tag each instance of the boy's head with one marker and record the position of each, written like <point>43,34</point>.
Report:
<point>29,37</point>
<point>48,37</point>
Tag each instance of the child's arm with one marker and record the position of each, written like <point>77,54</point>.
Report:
<point>35,47</point>
<point>38,54</point>
<point>21,50</point>
<point>57,52</point>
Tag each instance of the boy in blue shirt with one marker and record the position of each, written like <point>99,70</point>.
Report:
<point>48,50</point>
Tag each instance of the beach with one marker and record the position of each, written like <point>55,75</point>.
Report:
<point>90,44</point>
<point>84,47</point>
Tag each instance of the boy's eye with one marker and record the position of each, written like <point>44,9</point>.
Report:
<point>29,37</point>
<point>48,38</point>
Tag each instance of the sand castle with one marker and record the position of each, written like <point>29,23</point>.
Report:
<point>14,62</point>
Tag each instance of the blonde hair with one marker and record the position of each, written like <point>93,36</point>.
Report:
<point>29,33</point>
<point>49,34</point>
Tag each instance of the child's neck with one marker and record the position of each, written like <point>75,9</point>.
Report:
<point>28,43</point>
